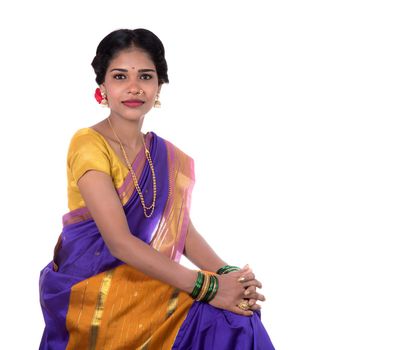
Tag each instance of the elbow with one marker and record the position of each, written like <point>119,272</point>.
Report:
<point>118,249</point>
<point>115,251</point>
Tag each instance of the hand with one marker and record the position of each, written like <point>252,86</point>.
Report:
<point>232,289</point>
<point>253,297</point>
<point>250,293</point>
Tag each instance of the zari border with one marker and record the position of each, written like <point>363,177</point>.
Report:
<point>99,310</point>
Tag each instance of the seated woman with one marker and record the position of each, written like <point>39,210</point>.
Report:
<point>115,281</point>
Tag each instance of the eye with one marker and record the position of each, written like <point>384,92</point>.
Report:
<point>146,76</point>
<point>119,76</point>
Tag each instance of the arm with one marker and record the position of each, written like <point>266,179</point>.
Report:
<point>198,251</point>
<point>98,192</point>
<point>104,204</point>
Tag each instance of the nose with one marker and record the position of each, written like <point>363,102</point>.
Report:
<point>134,89</point>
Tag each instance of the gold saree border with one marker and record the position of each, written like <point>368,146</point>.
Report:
<point>133,311</point>
<point>172,229</point>
<point>99,310</point>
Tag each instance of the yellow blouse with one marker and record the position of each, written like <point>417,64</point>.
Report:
<point>89,150</point>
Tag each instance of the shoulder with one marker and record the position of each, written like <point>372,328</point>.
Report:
<point>87,135</point>
<point>87,138</point>
<point>87,151</point>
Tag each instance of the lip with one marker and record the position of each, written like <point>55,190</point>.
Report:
<point>133,103</point>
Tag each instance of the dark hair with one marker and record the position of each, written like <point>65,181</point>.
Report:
<point>122,39</point>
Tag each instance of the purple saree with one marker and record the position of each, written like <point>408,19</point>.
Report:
<point>91,300</point>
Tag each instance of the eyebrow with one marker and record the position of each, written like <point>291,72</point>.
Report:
<point>126,70</point>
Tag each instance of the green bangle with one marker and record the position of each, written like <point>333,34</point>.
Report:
<point>215,289</point>
<point>210,289</point>
<point>226,269</point>
<point>198,285</point>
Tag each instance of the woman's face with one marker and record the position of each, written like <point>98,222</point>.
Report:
<point>131,84</point>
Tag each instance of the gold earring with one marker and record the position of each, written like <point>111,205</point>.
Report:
<point>104,102</point>
<point>157,102</point>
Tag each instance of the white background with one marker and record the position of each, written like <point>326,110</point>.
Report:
<point>303,120</point>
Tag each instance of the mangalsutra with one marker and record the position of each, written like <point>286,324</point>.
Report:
<point>151,207</point>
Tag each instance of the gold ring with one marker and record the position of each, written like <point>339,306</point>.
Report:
<point>243,305</point>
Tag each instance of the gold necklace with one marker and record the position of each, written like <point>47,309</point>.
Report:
<point>133,175</point>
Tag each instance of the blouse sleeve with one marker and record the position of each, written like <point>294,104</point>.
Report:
<point>87,152</point>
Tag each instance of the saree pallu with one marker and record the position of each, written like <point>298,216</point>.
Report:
<point>91,300</point>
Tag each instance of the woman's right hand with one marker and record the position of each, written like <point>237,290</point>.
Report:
<point>231,291</point>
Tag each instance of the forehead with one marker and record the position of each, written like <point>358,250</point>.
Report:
<point>130,58</point>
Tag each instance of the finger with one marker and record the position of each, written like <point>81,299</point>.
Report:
<point>247,277</point>
<point>256,296</point>
<point>239,311</point>
<point>249,291</point>
<point>253,304</point>
<point>245,270</point>
<point>253,282</point>
<point>260,297</point>
<point>255,307</point>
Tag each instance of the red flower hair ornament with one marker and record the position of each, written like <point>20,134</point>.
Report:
<point>100,98</point>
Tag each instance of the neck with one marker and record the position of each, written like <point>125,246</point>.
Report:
<point>128,131</point>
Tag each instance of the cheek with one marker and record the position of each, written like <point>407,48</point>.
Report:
<point>114,91</point>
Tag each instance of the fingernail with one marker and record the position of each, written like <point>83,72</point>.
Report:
<point>247,292</point>
<point>241,279</point>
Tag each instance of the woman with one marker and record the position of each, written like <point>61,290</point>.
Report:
<point>115,281</point>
